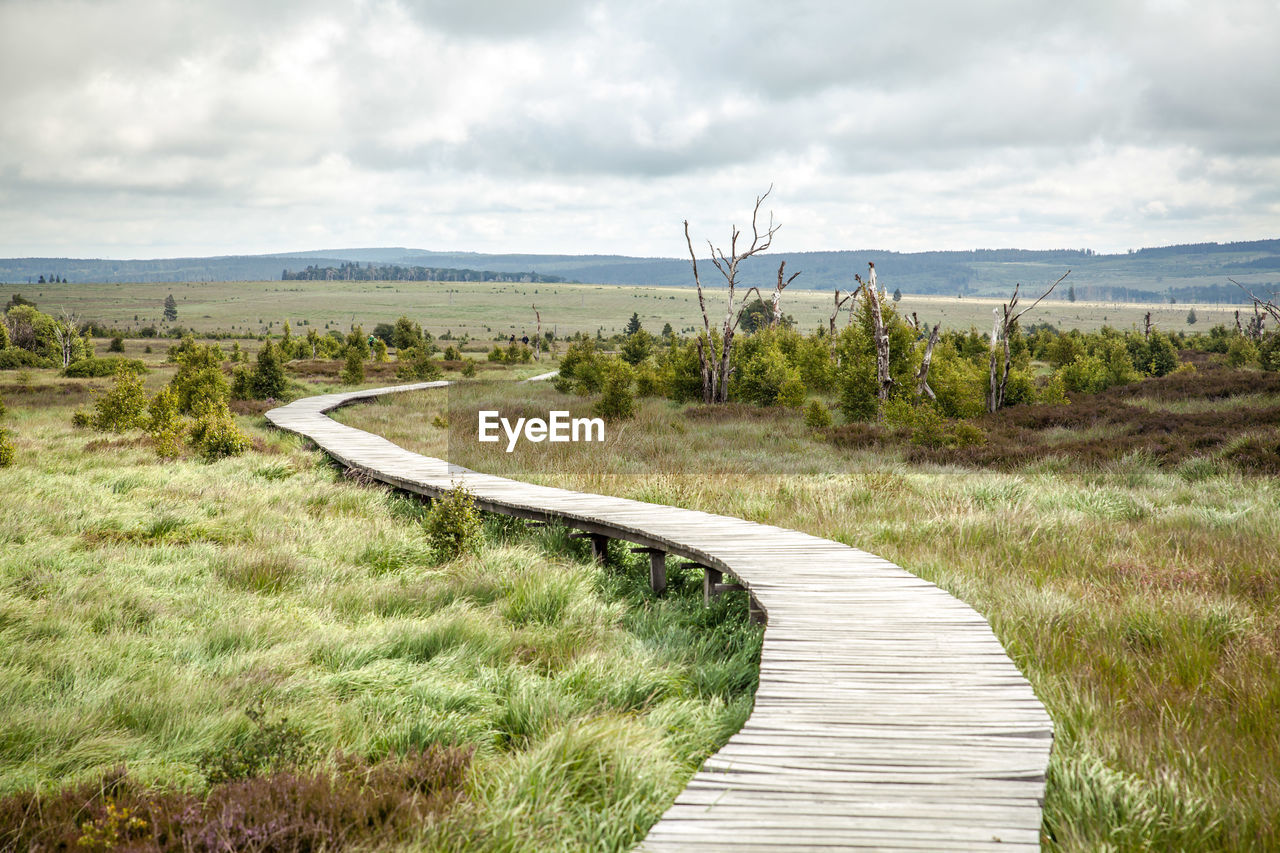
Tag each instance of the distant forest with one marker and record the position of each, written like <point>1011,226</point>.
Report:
<point>352,271</point>
<point>1192,272</point>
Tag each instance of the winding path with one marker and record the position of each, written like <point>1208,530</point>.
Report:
<point>888,715</point>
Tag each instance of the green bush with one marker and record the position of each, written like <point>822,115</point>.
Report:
<point>647,384</point>
<point>469,368</point>
<point>214,434</point>
<point>453,525</point>
<point>15,358</point>
<point>1269,352</point>
<point>617,402</point>
<point>123,407</point>
<point>1087,374</point>
<point>452,353</point>
<point>268,746</point>
<point>1164,358</point>
<point>637,347</point>
<point>199,379</point>
<point>8,451</point>
<point>268,382</point>
<point>581,369</point>
<point>857,388</point>
<point>416,363</point>
<point>96,367</point>
<point>166,429</point>
<point>353,369</point>
<point>116,345</point>
<point>817,416</point>
<point>1241,352</point>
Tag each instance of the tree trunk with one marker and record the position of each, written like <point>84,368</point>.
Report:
<point>881,336</point>
<point>922,378</point>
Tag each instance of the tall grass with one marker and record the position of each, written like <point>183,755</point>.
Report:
<point>145,606</point>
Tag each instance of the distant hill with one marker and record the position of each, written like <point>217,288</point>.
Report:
<point>1190,272</point>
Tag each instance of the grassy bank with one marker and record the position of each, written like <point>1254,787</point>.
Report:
<point>261,635</point>
<point>1138,589</point>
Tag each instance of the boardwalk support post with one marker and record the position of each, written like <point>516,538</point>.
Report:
<point>657,568</point>
<point>599,545</point>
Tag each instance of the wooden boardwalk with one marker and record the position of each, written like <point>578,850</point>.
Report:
<point>888,715</point>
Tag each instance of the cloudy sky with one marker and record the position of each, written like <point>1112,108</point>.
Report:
<point>146,128</point>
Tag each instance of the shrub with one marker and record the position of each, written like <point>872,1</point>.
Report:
<point>581,369</point>
<point>1164,358</point>
<point>8,451</point>
<point>469,368</point>
<point>96,367</point>
<point>637,347</point>
<point>452,353</point>
<point>123,407</point>
<point>267,382</point>
<point>116,345</point>
<point>617,402</point>
<point>857,387</point>
<point>164,426</point>
<point>497,354</point>
<point>82,419</point>
<point>1269,352</point>
<point>199,379</point>
<point>15,358</point>
<point>1087,373</point>
<point>817,416</point>
<point>214,433</point>
<point>1241,352</point>
<point>379,350</point>
<point>453,525</point>
<point>353,369</point>
<point>647,381</point>
<point>269,746</point>
<point>416,363</point>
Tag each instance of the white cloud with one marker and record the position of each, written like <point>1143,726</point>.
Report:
<point>150,127</point>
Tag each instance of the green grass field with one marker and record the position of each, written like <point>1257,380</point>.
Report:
<point>485,311</point>
<point>149,609</point>
<point>1141,599</point>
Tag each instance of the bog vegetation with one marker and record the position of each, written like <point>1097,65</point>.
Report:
<point>205,631</point>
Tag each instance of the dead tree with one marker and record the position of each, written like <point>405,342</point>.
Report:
<point>836,311</point>
<point>1006,318</point>
<point>537,338</point>
<point>713,354</point>
<point>1146,329</point>
<point>1259,306</point>
<point>777,294</point>
<point>922,375</point>
<point>66,333</point>
<point>872,296</point>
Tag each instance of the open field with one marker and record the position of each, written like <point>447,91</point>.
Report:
<point>485,311</point>
<point>1141,598</point>
<point>265,614</point>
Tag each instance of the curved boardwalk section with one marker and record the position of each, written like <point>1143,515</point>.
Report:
<point>888,715</point>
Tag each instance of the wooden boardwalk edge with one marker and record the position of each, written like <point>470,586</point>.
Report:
<point>888,715</point>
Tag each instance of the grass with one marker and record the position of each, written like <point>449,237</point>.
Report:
<point>1138,589</point>
<point>147,609</point>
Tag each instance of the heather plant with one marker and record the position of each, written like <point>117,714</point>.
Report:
<point>8,450</point>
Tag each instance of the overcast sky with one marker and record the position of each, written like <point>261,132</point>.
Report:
<point>147,128</point>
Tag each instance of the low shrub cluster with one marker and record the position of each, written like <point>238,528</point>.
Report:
<point>192,411</point>
<point>354,804</point>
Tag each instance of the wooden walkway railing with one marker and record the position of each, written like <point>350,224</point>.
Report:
<point>888,715</point>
